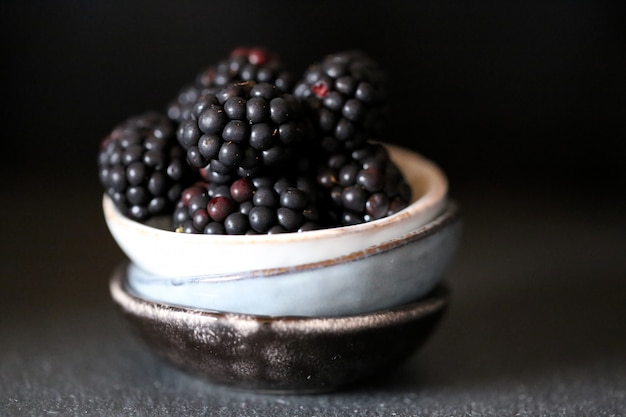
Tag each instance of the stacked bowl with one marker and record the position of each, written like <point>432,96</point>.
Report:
<point>294,312</point>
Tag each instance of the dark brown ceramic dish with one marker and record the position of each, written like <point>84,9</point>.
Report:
<point>280,354</point>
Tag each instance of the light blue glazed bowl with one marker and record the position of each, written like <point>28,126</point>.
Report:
<point>379,277</point>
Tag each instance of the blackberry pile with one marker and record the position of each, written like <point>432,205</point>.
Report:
<point>244,150</point>
<point>142,167</point>
<point>347,96</point>
<point>364,185</point>
<point>263,205</point>
<point>243,64</point>
<point>244,130</point>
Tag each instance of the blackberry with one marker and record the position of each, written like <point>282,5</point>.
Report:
<point>263,205</point>
<point>364,185</point>
<point>346,94</point>
<point>244,130</point>
<point>243,64</point>
<point>142,167</point>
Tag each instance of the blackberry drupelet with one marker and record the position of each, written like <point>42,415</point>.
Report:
<point>263,205</point>
<point>244,130</point>
<point>346,94</point>
<point>142,167</point>
<point>364,185</point>
<point>243,64</point>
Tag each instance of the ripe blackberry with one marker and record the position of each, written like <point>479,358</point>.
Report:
<point>142,167</point>
<point>243,64</point>
<point>244,130</point>
<point>364,185</point>
<point>346,94</point>
<point>263,205</point>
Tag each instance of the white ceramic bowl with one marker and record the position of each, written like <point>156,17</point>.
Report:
<point>382,276</point>
<point>169,254</point>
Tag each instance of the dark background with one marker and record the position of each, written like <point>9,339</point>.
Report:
<point>522,103</point>
<point>530,91</point>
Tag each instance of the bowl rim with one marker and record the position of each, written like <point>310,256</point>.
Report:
<point>437,189</point>
<point>451,214</point>
<point>437,299</point>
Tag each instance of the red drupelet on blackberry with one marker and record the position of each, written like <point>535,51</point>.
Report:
<point>346,94</point>
<point>243,64</point>
<point>364,185</point>
<point>263,205</point>
<point>244,130</point>
<point>142,167</point>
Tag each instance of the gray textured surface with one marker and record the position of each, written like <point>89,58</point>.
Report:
<point>536,327</point>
